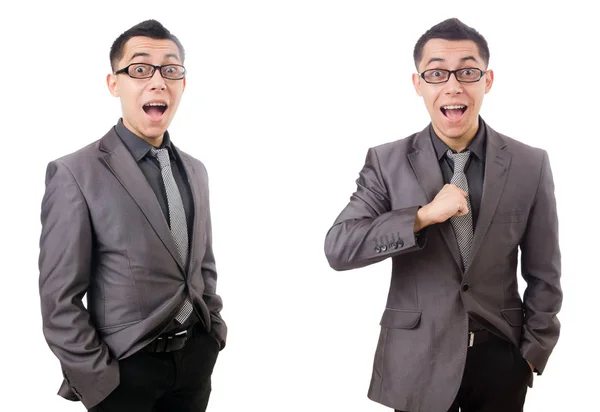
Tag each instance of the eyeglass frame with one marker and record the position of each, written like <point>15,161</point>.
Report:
<point>126,70</point>
<point>451,72</point>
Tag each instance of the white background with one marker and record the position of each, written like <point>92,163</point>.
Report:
<point>282,102</point>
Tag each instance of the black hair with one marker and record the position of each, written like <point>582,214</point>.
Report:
<point>452,29</point>
<point>148,28</point>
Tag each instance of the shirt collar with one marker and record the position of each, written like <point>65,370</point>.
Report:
<point>137,146</point>
<point>477,145</point>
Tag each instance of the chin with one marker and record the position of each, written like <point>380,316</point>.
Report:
<point>155,130</point>
<point>151,134</point>
<point>456,131</point>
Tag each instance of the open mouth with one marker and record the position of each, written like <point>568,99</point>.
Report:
<point>453,112</point>
<point>155,110</point>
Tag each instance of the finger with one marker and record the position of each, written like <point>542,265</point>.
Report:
<point>462,192</point>
<point>462,209</point>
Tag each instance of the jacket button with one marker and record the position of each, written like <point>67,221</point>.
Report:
<point>377,249</point>
<point>400,243</point>
<point>383,248</point>
<point>394,245</point>
<point>465,287</point>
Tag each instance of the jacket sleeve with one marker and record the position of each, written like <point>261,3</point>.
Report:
<point>368,231</point>
<point>65,268</point>
<point>541,269</point>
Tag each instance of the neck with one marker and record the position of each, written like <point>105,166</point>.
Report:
<point>459,143</point>
<point>155,141</point>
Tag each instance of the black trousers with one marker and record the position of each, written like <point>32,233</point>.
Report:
<point>166,381</point>
<point>495,379</point>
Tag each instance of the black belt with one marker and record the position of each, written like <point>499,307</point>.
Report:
<point>168,342</point>
<point>482,336</point>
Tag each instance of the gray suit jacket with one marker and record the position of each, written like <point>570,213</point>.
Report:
<point>104,234</point>
<point>422,347</point>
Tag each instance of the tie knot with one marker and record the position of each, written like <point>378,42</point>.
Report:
<point>162,155</point>
<point>460,160</point>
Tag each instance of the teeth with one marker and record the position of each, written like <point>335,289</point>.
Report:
<point>451,107</point>
<point>155,104</point>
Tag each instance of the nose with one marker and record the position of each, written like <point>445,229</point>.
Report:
<point>157,82</point>
<point>453,86</point>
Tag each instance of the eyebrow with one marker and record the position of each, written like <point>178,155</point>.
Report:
<point>439,59</point>
<point>143,54</point>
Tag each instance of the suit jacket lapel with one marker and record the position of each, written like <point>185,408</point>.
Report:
<point>123,166</point>
<point>427,170</point>
<point>497,162</point>
<point>192,178</point>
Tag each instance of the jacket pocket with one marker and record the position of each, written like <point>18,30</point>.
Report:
<point>116,328</point>
<point>400,319</point>
<point>511,217</point>
<point>513,316</point>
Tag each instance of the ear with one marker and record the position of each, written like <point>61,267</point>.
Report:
<point>416,79</point>
<point>184,79</point>
<point>489,80</point>
<point>111,82</point>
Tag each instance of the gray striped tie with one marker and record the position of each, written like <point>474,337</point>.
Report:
<point>463,225</point>
<point>176,218</point>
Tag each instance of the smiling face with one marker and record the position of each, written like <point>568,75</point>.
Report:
<point>148,105</point>
<point>453,106</point>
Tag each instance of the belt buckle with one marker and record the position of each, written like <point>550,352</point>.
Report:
<point>471,339</point>
<point>177,341</point>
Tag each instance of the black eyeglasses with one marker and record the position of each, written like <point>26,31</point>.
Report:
<point>145,71</point>
<point>466,75</point>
